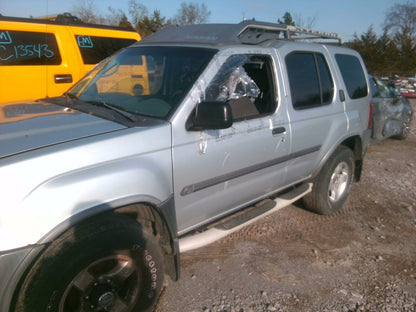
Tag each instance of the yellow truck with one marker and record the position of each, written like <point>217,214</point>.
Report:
<point>42,57</point>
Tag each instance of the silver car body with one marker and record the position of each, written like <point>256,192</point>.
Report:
<point>59,166</point>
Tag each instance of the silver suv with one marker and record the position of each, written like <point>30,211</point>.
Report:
<point>167,146</point>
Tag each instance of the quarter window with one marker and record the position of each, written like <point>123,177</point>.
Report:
<point>28,48</point>
<point>95,49</point>
<point>353,75</point>
<point>310,80</point>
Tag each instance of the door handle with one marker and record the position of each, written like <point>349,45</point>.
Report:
<point>66,78</point>
<point>279,130</point>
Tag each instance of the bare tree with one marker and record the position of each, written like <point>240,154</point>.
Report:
<point>401,23</point>
<point>191,13</point>
<point>115,16</point>
<point>137,12</point>
<point>87,11</point>
<point>301,22</point>
<point>401,19</point>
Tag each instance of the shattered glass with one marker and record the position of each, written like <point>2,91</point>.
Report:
<point>232,82</point>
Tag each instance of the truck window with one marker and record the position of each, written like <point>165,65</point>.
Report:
<point>353,75</point>
<point>95,49</point>
<point>28,48</point>
<point>246,82</point>
<point>310,80</point>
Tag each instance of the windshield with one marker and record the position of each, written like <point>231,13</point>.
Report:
<point>149,81</point>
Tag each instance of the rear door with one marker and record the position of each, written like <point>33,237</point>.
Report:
<point>318,121</point>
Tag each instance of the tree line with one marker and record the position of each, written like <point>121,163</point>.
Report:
<point>138,16</point>
<point>391,53</point>
<point>394,51</point>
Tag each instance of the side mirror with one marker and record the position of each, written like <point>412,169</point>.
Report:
<point>209,115</point>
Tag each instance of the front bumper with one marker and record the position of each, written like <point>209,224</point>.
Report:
<point>13,264</point>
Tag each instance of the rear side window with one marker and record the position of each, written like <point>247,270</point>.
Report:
<point>95,49</point>
<point>310,80</point>
<point>353,75</point>
<point>28,48</point>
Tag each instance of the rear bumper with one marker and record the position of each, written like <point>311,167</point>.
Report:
<point>13,264</point>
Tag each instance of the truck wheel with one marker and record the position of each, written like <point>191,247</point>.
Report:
<point>332,184</point>
<point>110,264</point>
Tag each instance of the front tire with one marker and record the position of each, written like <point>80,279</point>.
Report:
<point>109,264</point>
<point>332,184</point>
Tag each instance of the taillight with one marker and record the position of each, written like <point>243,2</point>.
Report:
<point>370,117</point>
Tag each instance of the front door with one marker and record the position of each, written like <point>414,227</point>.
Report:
<point>218,171</point>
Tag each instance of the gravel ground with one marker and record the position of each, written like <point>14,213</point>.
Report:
<point>362,258</point>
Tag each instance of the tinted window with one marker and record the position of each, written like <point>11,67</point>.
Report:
<point>310,80</point>
<point>353,75</point>
<point>28,48</point>
<point>327,85</point>
<point>246,82</point>
<point>95,49</point>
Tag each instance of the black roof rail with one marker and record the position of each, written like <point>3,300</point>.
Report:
<point>65,19</point>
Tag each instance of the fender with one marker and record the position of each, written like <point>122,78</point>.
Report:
<point>72,178</point>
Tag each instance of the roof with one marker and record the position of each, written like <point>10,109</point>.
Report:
<point>246,32</point>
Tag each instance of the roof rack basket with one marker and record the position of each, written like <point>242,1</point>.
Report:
<point>246,32</point>
<point>257,32</point>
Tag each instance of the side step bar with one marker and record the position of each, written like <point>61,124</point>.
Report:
<point>242,218</point>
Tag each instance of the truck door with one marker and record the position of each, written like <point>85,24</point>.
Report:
<point>24,60</point>
<point>218,171</point>
<point>317,116</point>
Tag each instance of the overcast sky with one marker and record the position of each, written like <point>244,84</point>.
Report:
<point>345,17</point>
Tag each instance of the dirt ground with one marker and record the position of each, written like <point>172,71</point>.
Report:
<point>362,258</point>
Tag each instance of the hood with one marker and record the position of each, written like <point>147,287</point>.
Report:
<point>31,125</point>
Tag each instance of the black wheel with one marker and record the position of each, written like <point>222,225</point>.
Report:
<point>332,184</point>
<point>110,264</point>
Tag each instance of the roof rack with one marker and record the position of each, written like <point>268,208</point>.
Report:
<point>257,32</point>
<point>247,32</point>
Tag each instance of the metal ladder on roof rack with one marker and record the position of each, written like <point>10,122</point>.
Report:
<point>257,32</point>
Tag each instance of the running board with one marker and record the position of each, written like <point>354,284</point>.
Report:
<point>242,218</point>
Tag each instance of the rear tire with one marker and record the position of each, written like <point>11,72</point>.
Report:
<point>109,264</point>
<point>332,184</point>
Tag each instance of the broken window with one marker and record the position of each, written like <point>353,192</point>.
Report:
<point>246,82</point>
